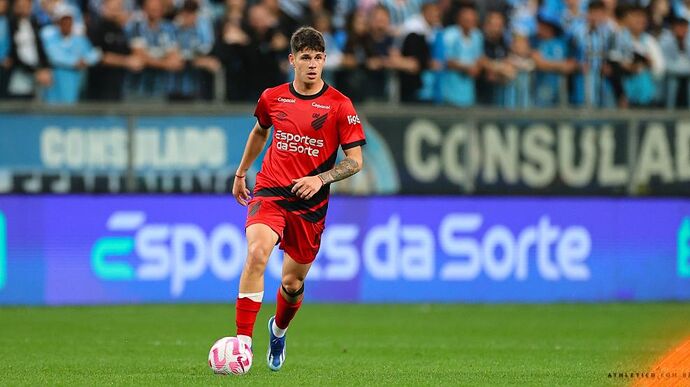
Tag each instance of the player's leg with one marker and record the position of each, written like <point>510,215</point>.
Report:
<point>290,293</point>
<point>301,244</point>
<point>260,242</point>
<point>288,302</point>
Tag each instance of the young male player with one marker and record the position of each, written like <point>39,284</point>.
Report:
<point>310,121</point>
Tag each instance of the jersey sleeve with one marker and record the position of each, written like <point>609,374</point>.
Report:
<point>262,113</point>
<point>350,131</point>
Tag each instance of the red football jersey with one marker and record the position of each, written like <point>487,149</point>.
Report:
<point>307,131</point>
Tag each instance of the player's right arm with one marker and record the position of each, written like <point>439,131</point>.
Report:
<point>255,144</point>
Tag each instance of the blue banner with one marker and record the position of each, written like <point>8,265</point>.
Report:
<point>93,250</point>
<point>167,154</point>
<point>62,153</point>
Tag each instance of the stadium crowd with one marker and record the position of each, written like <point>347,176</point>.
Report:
<point>508,53</point>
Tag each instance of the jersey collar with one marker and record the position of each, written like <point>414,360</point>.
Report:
<point>313,96</point>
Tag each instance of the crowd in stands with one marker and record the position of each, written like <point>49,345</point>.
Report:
<point>506,53</point>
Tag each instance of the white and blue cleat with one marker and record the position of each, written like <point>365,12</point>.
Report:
<point>276,348</point>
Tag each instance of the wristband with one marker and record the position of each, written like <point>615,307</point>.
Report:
<point>240,176</point>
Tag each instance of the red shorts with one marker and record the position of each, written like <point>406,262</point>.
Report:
<point>298,237</point>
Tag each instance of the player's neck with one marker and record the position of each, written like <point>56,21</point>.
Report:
<point>308,88</point>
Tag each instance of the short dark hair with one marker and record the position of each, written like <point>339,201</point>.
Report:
<point>307,38</point>
<point>636,9</point>
<point>596,5</point>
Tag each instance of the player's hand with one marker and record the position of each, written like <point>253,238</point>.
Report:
<point>240,191</point>
<point>306,187</point>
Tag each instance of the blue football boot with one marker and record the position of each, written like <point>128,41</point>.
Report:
<point>276,348</point>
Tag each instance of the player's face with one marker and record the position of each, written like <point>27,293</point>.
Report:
<point>308,65</point>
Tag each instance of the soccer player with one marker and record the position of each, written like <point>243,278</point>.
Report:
<point>310,120</point>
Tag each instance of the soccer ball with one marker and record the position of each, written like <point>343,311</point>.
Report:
<point>230,356</point>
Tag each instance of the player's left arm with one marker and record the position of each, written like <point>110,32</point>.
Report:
<point>306,187</point>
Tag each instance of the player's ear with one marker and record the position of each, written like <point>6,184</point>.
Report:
<point>291,59</point>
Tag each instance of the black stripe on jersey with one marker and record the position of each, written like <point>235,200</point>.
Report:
<point>303,205</point>
<point>283,192</point>
<point>353,144</point>
<point>316,215</point>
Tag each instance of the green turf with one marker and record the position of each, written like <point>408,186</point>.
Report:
<point>342,344</point>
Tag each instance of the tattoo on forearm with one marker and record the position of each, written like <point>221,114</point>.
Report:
<point>342,170</point>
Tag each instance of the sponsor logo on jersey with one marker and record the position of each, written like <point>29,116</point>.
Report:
<point>296,143</point>
<point>286,100</point>
<point>319,121</point>
<point>319,106</point>
<point>353,120</point>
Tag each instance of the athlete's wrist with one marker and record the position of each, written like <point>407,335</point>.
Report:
<point>323,181</point>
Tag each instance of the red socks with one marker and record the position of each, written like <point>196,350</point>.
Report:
<point>285,311</point>
<point>246,311</point>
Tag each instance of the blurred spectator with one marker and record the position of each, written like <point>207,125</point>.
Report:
<point>592,42</point>
<point>659,12</point>
<point>378,63</point>
<point>284,22</point>
<point>153,39</point>
<point>519,93</point>
<point>106,79</point>
<point>266,50</point>
<point>497,71</point>
<point>231,48</point>
<point>523,18</point>
<point>675,45</point>
<point>195,39</point>
<point>366,55</point>
<point>69,54</point>
<point>235,12</point>
<point>427,25</point>
<point>484,7</point>
<point>553,61</point>
<point>358,49</point>
<point>45,14</point>
<point>29,64</point>
<point>314,9</point>
<point>342,11</point>
<point>400,11</point>
<point>640,57</point>
<point>464,49</point>
<point>681,8</point>
<point>95,8</point>
<point>4,47</point>
<point>588,51</point>
<point>334,55</point>
<point>572,16</point>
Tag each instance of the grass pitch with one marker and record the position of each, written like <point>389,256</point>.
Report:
<point>343,344</point>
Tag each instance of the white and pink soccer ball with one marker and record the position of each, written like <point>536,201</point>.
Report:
<point>230,356</point>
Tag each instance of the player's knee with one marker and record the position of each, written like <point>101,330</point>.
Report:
<point>292,283</point>
<point>257,256</point>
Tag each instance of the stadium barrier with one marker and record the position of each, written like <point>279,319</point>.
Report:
<point>142,249</point>
<point>415,150</point>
